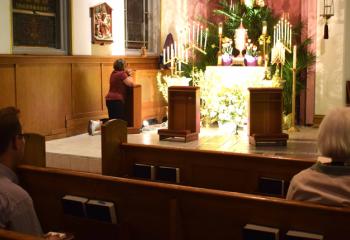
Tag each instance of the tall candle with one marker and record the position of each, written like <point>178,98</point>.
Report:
<point>168,53</point>
<point>282,29</point>
<point>197,34</point>
<point>206,38</point>
<point>201,38</point>
<point>295,57</point>
<point>220,29</point>
<point>171,51</point>
<point>164,56</point>
<point>286,33</point>
<point>193,32</point>
<point>175,50</point>
<point>274,35</point>
<point>290,36</point>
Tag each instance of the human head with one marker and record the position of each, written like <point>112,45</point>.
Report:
<point>119,65</point>
<point>334,135</point>
<point>11,138</point>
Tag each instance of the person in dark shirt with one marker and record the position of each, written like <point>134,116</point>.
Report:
<point>119,81</point>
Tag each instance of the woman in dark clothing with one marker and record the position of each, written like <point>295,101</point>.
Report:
<point>119,80</point>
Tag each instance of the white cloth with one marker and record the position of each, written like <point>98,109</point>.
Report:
<point>16,206</point>
<point>322,184</point>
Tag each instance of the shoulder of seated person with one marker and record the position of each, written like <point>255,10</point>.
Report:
<point>14,193</point>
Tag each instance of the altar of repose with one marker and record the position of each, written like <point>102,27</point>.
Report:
<point>225,91</point>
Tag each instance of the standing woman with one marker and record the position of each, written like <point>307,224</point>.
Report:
<point>119,81</point>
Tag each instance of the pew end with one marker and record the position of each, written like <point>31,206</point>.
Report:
<point>113,134</point>
<point>35,150</point>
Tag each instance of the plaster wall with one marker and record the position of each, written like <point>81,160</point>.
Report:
<point>331,71</point>
<point>6,26</point>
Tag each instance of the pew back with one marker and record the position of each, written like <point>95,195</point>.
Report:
<point>199,168</point>
<point>164,211</point>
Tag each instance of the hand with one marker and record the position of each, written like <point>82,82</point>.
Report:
<point>128,71</point>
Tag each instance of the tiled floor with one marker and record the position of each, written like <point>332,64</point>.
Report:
<point>83,152</point>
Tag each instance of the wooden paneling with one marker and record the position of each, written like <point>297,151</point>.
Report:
<point>7,86</point>
<point>106,73</point>
<point>86,88</point>
<point>43,96</point>
<point>153,104</point>
<point>57,95</point>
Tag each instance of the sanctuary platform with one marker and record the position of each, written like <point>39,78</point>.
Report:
<point>83,152</point>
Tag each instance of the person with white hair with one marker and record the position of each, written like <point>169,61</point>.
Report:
<point>327,182</point>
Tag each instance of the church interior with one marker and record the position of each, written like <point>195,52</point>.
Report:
<point>234,119</point>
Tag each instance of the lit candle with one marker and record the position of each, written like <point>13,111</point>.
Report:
<point>206,38</point>
<point>290,36</point>
<point>264,30</point>
<point>197,34</point>
<point>220,29</point>
<point>164,56</point>
<point>282,29</point>
<point>274,35</point>
<point>295,57</point>
<point>193,33</point>
<point>168,53</point>
<point>201,38</point>
<point>286,32</point>
<point>171,51</point>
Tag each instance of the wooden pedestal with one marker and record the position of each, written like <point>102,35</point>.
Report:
<point>265,117</point>
<point>133,109</point>
<point>183,114</point>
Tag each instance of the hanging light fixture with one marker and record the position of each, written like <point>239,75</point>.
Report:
<point>328,12</point>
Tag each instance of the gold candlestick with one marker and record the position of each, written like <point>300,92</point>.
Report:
<point>293,128</point>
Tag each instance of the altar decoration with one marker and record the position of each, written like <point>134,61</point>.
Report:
<point>241,37</point>
<point>224,99</point>
<point>191,39</point>
<point>101,24</point>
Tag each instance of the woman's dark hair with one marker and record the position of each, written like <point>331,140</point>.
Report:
<point>119,65</point>
<point>10,127</point>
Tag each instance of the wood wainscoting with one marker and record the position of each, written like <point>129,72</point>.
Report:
<point>57,95</point>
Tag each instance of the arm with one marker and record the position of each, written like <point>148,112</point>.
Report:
<point>129,82</point>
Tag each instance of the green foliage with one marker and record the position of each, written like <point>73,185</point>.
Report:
<point>252,19</point>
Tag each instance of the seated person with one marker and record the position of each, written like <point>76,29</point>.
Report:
<point>328,182</point>
<point>16,207</point>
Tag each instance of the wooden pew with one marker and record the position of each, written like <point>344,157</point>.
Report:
<point>210,169</point>
<point>161,211</point>
<point>10,235</point>
<point>35,150</point>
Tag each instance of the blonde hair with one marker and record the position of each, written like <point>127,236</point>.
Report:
<point>334,135</point>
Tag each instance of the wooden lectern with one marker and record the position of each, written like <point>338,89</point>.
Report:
<point>133,109</point>
<point>183,114</point>
<point>265,117</point>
